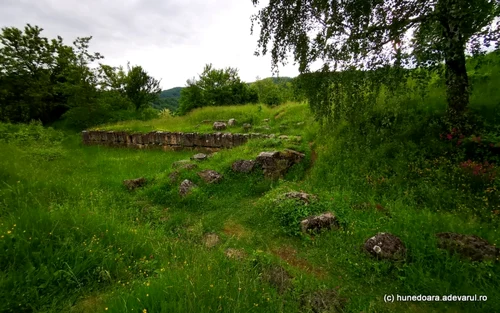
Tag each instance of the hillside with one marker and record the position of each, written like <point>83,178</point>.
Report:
<point>168,99</point>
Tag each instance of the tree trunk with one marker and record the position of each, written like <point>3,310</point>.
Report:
<point>457,84</point>
<point>457,81</point>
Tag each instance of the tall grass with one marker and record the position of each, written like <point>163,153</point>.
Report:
<point>74,239</point>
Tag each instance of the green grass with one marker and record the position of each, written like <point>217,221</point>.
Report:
<point>282,120</point>
<point>73,239</point>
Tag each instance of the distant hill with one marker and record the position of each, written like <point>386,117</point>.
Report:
<point>171,93</point>
<point>168,99</point>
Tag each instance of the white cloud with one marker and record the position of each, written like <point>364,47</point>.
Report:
<point>172,40</point>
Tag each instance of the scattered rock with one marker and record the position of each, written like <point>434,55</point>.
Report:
<point>292,155</point>
<point>132,184</point>
<point>186,187</point>
<point>199,157</point>
<point>283,127</point>
<point>323,301</point>
<point>243,166</point>
<point>180,163</point>
<point>266,120</point>
<point>278,278</point>
<point>173,176</point>
<point>315,223</point>
<point>385,246</point>
<point>275,164</point>
<point>283,137</point>
<point>211,240</point>
<point>237,254</point>
<point>300,123</point>
<point>231,122</point>
<point>302,196</point>
<point>468,246</point>
<point>210,176</point>
<point>247,126</point>
<point>189,166</point>
<point>219,126</point>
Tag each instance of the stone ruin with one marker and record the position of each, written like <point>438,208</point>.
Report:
<point>167,140</point>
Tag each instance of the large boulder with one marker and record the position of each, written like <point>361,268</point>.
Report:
<point>243,166</point>
<point>210,176</point>
<point>219,126</point>
<point>385,246</point>
<point>468,246</point>
<point>276,163</point>
<point>302,196</point>
<point>132,184</point>
<point>316,223</point>
<point>199,157</point>
<point>186,187</point>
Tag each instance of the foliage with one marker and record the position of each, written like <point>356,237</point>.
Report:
<point>46,80</point>
<point>141,88</point>
<point>30,71</point>
<point>359,35</point>
<point>214,87</point>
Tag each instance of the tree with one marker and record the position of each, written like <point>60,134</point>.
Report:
<point>359,34</point>
<point>28,65</point>
<point>214,87</point>
<point>141,88</point>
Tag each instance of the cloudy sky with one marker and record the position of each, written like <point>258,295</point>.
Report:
<point>171,39</point>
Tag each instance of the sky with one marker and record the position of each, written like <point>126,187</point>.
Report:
<point>171,39</point>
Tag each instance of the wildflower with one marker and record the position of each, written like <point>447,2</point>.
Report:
<point>449,136</point>
<point>106,309</point>
<point>144,311</point>
<point>8,232</point>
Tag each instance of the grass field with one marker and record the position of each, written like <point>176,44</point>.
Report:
<point>279,123</point>
<point>74,239</point>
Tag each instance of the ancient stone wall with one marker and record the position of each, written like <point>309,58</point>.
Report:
<point>167,140</point>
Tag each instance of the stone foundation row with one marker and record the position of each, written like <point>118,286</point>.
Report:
<point>167,140</point>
